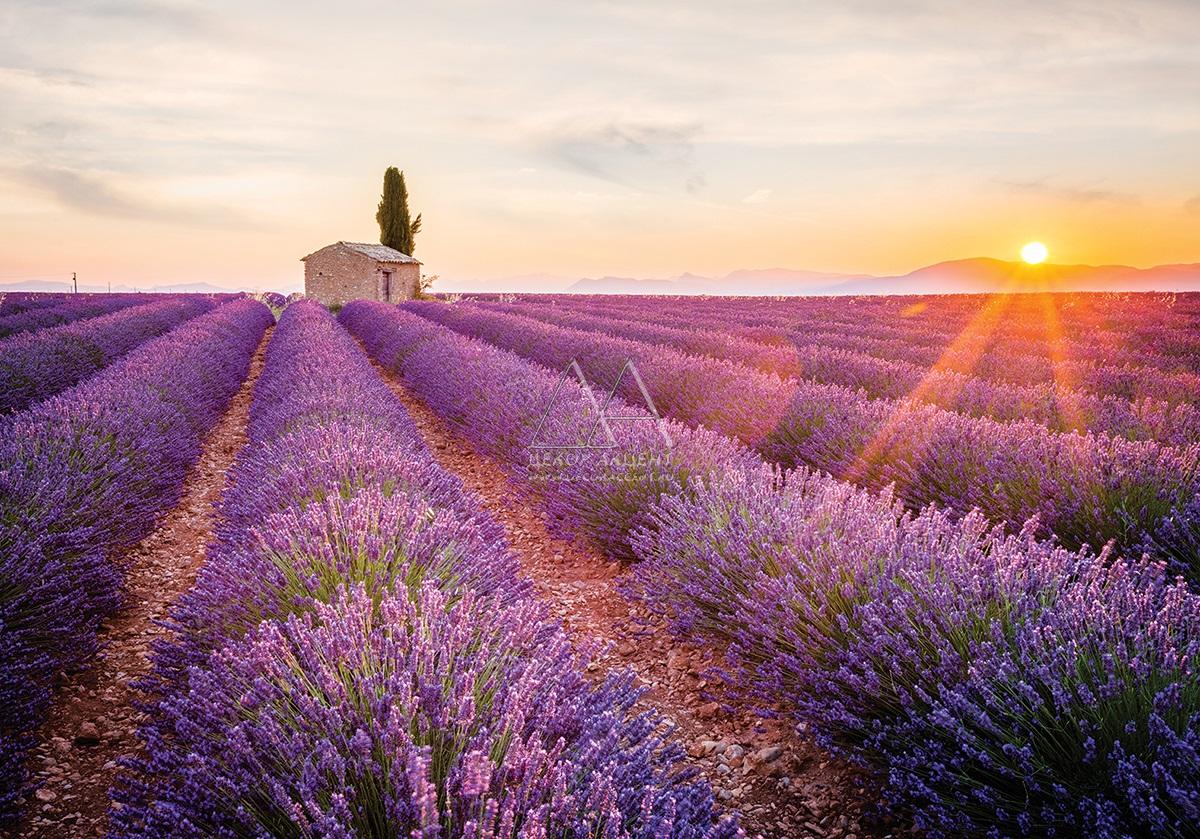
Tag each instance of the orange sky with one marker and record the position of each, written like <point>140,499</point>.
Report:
<point>220,142</point>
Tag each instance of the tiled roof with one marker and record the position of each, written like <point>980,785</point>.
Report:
<point>380,253</point>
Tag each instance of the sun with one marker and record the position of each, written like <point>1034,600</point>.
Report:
<point>1034,253</point>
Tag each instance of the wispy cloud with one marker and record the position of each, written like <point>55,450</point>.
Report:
<point>174,15</point>
<point>759,196</point>
<point>38,79</point>
<point>1069,192</point>
<point>1192,205</point>
<point>95,194</point>
<point>667,128</point>
<point>638,153</point>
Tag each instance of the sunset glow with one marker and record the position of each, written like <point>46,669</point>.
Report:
<point>411,356</point>
<point>226,152</point>
<point>1034,253</point>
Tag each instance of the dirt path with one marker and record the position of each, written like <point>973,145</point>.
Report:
<point>782,784</point>
<point>93,722</point>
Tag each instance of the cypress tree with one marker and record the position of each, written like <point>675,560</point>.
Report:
<point>397,228</point>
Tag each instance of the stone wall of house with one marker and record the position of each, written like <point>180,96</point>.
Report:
<point>405,278</point>
<point>335,275</point>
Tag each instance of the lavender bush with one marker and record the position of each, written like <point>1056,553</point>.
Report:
<point>1001,684</point>
<point>1004,685</point>
<point>336,489</point>
<point>1085,489</point>
<point>397,717</point>
<point>510,408</point>
<point>39,364</point>
<point>1052,404</point>
<point>273,299</point>
<point>86,473</point>
<point>16,302</point>
<point>1001,340</point>
<point>359,656</point>
<point>78,307</point>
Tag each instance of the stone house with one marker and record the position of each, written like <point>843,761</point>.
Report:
<point>345,271</point>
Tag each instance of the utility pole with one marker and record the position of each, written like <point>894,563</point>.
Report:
<point>74,282</point>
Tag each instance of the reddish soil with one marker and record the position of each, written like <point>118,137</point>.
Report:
<point>93,721</point>
<point>781,784</point>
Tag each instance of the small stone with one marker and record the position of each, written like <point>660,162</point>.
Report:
<point>767,769</point>
<point>735,752</point>
<point>769,755</point>
<point>45,795</point>
<point>88,735</point>
<point>709,709</point>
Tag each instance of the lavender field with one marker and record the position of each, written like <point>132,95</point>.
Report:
<point>600,566</point>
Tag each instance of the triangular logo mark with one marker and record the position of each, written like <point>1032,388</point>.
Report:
<point>602,415</point>
<point>574,368</point>
<point>654,417</point>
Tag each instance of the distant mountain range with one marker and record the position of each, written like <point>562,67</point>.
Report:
<point>59,286</point>
<point>963,276</point>
<point>758,281</point>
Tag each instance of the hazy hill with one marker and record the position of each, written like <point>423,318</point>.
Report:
<point>749,281</point>
<point>59,286</point>
<point>973,276</point>
<point>962,276</point>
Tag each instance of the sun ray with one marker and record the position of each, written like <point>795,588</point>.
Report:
<point>972,343</point>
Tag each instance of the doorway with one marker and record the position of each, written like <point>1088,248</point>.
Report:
<point>387,286</point>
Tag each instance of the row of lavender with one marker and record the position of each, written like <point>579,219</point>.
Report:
<point>994,328</point>
<point>16,302</point>
<point>1024,361</point>
<point>1113,319</point>
<point>1059,408</point>
<point>77,308</point>
<point>360,657</point>
<point>36,365</point>
<point>84,474</point>
<point>999,684</point>
<point>1085,489</point>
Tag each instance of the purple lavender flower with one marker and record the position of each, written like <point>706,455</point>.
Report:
<point>35,365</point>
<point>86,473</point>
<point>360,657</point>
<point>1003,685</point>
<point>1084,489</point>
<point>350,721</point>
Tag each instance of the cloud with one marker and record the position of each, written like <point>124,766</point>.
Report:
<point>94,195</point>
<point>182,17</point>
<point>759,196</point>
<point>1192,205</point>
<point>41,79</point>
<point>1074,194</point>
<point>634,153</point>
